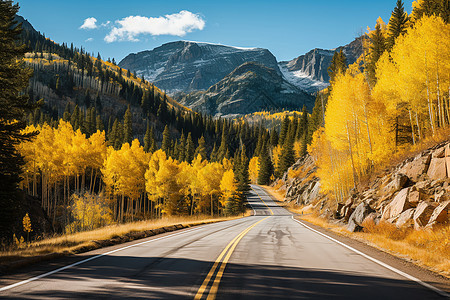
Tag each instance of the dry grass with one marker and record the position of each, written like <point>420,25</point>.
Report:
<point>427,248</point>
<point>74,243</point>
<point>275,192</point>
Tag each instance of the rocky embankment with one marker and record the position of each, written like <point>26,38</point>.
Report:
<point>414,193</point>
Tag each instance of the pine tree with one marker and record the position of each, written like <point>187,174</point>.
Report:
<point>317,118</point>
<point>377,48</point>
<point>127,127</point>
<point>13,81</point>
<point>284,130</point>
<point>190,148</point>
<point>243,174</point>
<point>287,157</point>
<point>148,138</point>
<point>259,144</point>
<point>265,166</point>
<point>66,115</point>
<point>112,135</point>
<point>397,24</point>
<point>213,156</point>
<point>181,149</point>
<point>223,149</point>
<point>119,136</point>
<point>99,124</point>
<point>201,149</point>
<point>273,138</point>
<point>166,142</point>
<point>338,65</point>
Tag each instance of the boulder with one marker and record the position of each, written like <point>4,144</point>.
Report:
<point>440,214</point>
<point>405,218</point>
<point>447,158</point>
<point>346,212</point>
<point>353,227</point>
<point>415,196</point>
<point>422,214</point>
<point>358,216</point>
<point>437,169</point>
<point>400,181</point>
<point>439,153</point>
<point>417,167</point>
<point>398,205</point>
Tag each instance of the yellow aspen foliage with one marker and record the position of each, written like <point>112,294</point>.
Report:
<point>228,187</point>
<point>210,176</point>
<point>27,226</point>
<point>276,153</point>
<point>361,121</point>
<point>253,169</point>
<point>90,211</point>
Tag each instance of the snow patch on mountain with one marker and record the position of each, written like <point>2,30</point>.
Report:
<point>301,80</point>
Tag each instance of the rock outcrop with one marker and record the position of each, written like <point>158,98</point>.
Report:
<point>411,194</point>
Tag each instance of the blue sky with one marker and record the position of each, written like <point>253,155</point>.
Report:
<point>288,28</point>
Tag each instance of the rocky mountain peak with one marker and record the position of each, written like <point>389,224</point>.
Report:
<point>189,66</point>
<point>249,88</point>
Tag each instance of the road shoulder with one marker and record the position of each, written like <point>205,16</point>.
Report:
<point>400,263</point>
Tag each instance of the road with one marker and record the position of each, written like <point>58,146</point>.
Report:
<point>265,256</point>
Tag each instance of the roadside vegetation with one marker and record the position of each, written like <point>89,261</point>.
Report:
<point>23,251</point>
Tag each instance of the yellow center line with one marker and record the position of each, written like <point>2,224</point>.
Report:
<point>232,244</point>
<point>263,201</point>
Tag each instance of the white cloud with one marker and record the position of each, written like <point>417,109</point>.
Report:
<point>176,24</point>
<point>89,23</point>
<point>105,24</point>
<point>89,39</point>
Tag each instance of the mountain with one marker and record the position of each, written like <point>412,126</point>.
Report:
<point>309,71</point>
<point>191,66</point>
<point>92,94</point>
<point>249,88</point>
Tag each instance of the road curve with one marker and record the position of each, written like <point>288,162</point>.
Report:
<point>265,256</point>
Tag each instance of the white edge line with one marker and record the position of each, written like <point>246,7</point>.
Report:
<point>92,258</point>
<point>434,289</point>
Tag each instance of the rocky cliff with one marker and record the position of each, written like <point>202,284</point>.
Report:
<point>249,88</point>
<point>309,71</point>
<point>191,66</point>
<point>412,194</point>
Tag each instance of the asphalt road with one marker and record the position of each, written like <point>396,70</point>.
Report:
<point>265,256</point>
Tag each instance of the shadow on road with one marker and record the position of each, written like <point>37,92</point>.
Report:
<point>176,278</point>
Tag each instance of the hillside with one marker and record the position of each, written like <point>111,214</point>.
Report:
<point>71,81</point>
<point>251,87</point>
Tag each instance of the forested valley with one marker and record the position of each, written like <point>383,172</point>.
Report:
<point>91,144</point>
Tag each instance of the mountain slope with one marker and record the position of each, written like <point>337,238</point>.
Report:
<point>309,71</point>
<point>190,66</point>
<point>251,87</point>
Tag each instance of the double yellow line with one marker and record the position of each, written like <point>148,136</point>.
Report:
<point>227,254</point>
<point>271,212</point>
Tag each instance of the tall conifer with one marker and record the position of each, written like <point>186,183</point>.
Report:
<point>398,24</point>
<point>13,81</point>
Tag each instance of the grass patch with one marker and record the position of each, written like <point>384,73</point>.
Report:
<point>105,236</point>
